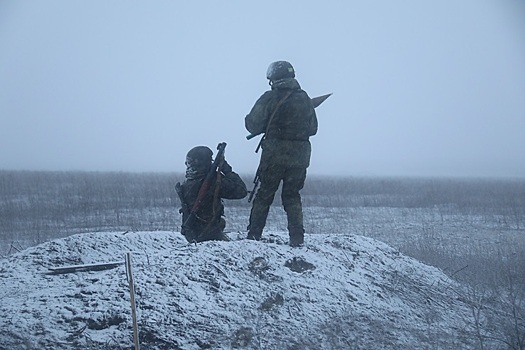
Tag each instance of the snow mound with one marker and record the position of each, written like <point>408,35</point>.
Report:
<point>339,291</point>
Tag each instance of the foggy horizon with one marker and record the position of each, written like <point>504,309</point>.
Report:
<point>419,89</point>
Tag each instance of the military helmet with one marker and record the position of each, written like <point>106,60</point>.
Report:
<point>199,157</point>
<point>279,70</point>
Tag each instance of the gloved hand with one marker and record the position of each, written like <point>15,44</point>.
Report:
<point>226,168</point>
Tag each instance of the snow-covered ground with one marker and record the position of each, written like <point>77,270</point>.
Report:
<point>337,292</point>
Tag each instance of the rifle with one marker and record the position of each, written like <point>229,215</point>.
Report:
<point>203,190</point>
<point>256,181</point>
<point>316,101</point>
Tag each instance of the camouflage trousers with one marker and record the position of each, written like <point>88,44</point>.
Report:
<point>293,179</point>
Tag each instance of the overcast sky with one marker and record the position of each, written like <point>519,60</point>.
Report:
<point>420,88</point>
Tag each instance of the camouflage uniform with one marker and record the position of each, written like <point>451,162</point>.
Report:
<point>285,156</point>
<point>210,223</point>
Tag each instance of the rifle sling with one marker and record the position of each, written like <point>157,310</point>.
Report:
<point>271,118</point>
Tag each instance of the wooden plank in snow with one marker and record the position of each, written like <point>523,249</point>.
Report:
<point>84,267</point>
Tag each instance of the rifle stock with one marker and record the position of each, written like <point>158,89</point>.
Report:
<point>316,101</point>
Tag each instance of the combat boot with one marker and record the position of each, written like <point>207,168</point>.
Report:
<point>254,234</point>
<point>296,236</point>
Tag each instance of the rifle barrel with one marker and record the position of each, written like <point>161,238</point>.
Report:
<point>251,136</point>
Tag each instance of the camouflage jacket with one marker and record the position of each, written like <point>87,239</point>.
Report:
<point>287,140</point>
<point>212,209</point>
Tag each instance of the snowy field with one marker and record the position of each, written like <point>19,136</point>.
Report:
<point>448,223</point>
<point>337,292</point>
<point>471,230</point>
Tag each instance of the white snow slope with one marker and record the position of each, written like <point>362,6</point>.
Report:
<point>337,292</point>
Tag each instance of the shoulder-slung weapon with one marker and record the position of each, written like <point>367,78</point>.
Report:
<point>316,102</point>
<point>206,184</point>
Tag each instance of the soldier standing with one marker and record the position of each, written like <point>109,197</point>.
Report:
<point>287,117</point>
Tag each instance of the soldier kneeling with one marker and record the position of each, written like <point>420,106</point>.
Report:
<point>208,222</point>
